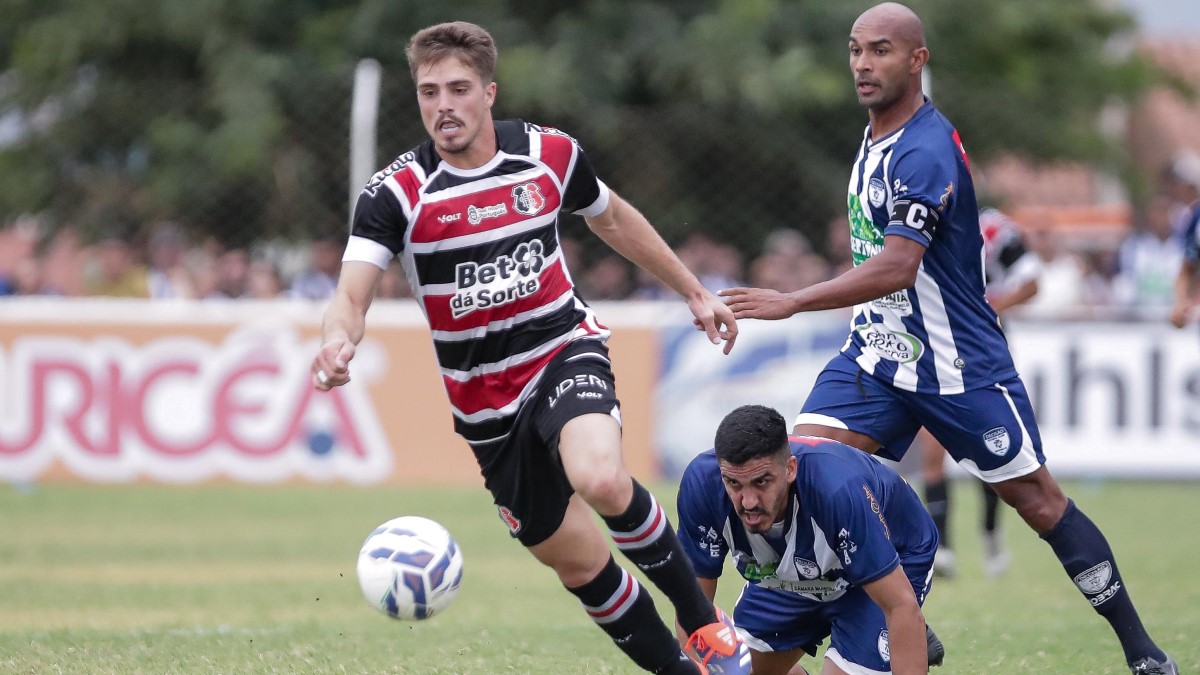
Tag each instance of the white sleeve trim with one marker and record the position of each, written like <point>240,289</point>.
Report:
<point>361,249</point>
<point>1027,268</point>
<point>597,207</point>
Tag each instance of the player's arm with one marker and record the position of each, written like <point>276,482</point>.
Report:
<point>842,503</point>
<point>1022,268</point>
<point>627,232</point>
<point>891,270</point>
<point>1019,294</point>
<point>905,622</point>
<point>1182,308</point>
<point>344,323</point>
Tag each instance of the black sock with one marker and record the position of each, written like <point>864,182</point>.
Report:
<point>991,508</point>
<point>937,502</point>
<point>624,610</point>
<point>643,534</point>
<point>1088,560</point>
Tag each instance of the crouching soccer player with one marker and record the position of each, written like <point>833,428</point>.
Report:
<point>832,543</point>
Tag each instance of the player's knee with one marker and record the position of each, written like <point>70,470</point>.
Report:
<point>1042,510</point>
<point>606,490</point>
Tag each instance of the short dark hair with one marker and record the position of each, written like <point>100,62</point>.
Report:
<point>471,43</point>
<point>750,432</point>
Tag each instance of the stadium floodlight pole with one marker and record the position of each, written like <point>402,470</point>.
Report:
<point>364,118</point>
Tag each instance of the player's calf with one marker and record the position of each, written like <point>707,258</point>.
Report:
<point>618,604</point>
<point>646,537</point>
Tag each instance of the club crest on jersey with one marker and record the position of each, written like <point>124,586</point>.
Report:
<point>884,647</point>
<point>997,441</point>
<point>876,192</point>
<point>528,199</point>
<point>807,569</point>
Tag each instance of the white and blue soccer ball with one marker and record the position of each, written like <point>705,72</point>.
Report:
<point>410,568</point>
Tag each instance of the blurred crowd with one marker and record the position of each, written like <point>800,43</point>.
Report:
<point>166,264</point>
<point>1130,277</point>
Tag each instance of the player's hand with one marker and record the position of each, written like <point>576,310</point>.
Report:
<point>1180,314</point>
<point>758,303</point>
<point>331,367</point>
<point>715,319</point>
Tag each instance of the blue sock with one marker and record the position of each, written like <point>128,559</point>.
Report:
<point>1088,560</point>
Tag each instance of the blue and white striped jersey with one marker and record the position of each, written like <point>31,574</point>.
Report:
<point>940,336</point>
<point>1191,234</point>
<point>849,521</point>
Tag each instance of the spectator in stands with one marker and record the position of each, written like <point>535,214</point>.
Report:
<point>1061,286</point>
<point>26,278</point>
<point>837,246</point>
<point>166,276</point>
<point>649,287</point>
<point>607,278</point>
<point>787,263</point>
<point>64,263</point>
<point>263,280</point>
<point>393,285</point>
<point>18,244</point>
<point>233,272</point>
<point>117,271</point>
<point>717,265</point>
<point>1099,270</point>
<point>202,278</point>
<point>1148,262</point>
<point>319,280</point>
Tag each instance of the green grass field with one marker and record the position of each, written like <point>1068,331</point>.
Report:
<point>238,579</point>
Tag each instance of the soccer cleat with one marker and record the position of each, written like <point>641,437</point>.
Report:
<point>995,556</point>
<point>937,652</point>
<point>1152,666</point>
<point>944,563</point>
<point>719,649</point>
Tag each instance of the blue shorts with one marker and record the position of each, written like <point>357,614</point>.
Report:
<point>771,620</point>
<point>991,431</point>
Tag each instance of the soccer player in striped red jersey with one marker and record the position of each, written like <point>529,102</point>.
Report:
<point>473,213</point>
<point>925,347</point>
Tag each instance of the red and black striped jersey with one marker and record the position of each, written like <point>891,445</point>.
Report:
<point>481,251</point>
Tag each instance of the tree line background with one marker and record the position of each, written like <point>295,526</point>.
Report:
<point>731,117</point>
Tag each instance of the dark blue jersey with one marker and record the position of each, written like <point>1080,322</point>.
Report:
<point>939,336</point>
<point>849,521</point>
<point>1191,235</point>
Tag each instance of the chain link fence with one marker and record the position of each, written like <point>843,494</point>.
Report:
<point>744,196</point>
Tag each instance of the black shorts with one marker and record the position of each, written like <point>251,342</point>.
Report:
<point>523,470</point>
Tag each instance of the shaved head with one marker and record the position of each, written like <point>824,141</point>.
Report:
<point>894,20</point>
<point>887,56</point>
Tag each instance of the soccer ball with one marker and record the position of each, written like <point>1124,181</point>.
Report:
<point>409,568</point>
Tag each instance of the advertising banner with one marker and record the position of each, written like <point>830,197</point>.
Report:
<point>118,391</point>
<point>1113,399</point>
<point>121,391</point>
